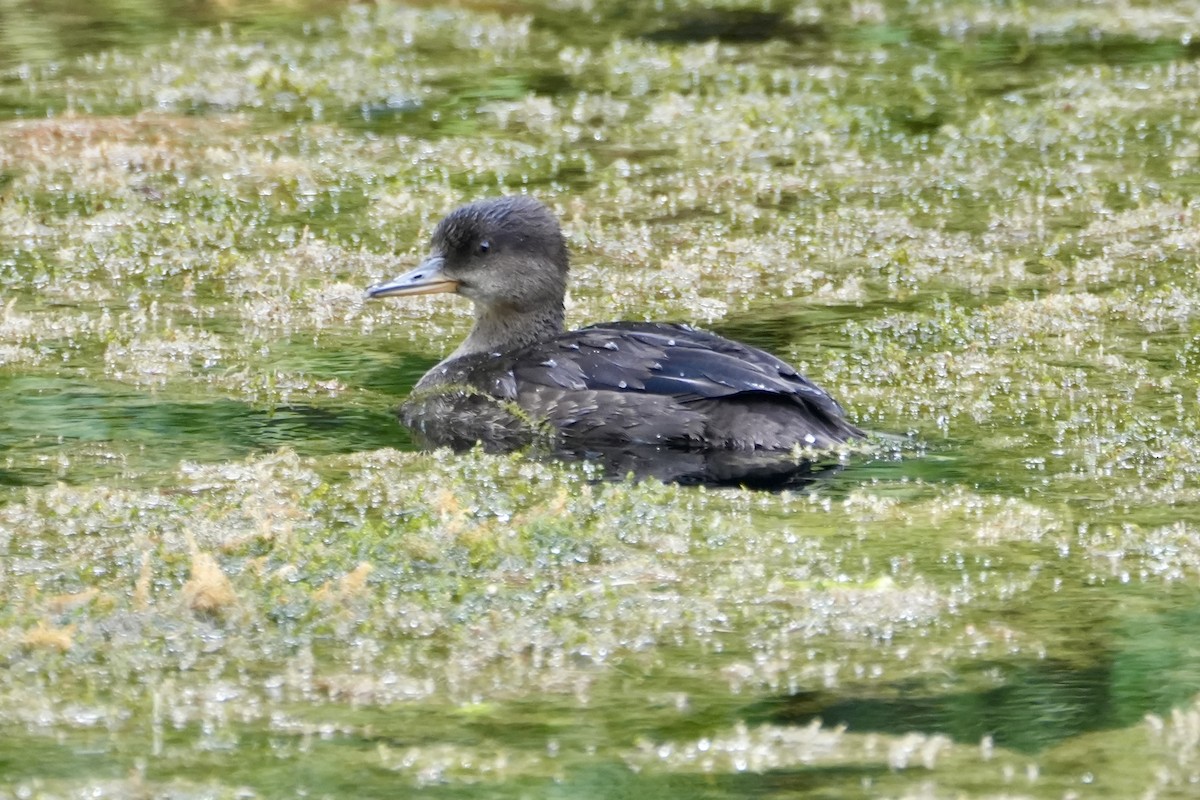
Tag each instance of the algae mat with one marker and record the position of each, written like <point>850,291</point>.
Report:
<point>224,572</point>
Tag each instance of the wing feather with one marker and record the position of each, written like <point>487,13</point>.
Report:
<point>657,382</point>
<point>662,359</point>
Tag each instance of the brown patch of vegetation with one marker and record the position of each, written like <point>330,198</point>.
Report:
<point>209,589</point>
<point>47,637</point>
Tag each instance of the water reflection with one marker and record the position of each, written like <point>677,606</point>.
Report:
<point>738,26</point>
<point>41,32</point>
<point>1138,664</point>
<point>769,471</point>
<point>67,429</point>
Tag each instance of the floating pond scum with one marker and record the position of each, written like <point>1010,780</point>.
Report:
<point>225,571</point>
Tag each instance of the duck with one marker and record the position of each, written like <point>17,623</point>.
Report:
<point>520,375</point>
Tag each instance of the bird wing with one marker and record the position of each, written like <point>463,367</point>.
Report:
<point>662,359</point>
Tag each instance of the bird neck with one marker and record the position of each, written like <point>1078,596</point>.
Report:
<point>499,330</point>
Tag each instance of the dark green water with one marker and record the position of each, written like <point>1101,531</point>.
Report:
<point>976,224</point>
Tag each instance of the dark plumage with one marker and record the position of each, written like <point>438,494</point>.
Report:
<point>609,385</point>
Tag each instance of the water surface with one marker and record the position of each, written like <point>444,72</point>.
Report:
<point>225,571</point>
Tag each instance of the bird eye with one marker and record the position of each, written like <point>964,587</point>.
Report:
<point>484,246</point>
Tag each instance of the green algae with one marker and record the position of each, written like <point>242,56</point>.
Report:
<point>974,222</point>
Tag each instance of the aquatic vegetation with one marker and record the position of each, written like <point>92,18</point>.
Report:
<point>222,572</point>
